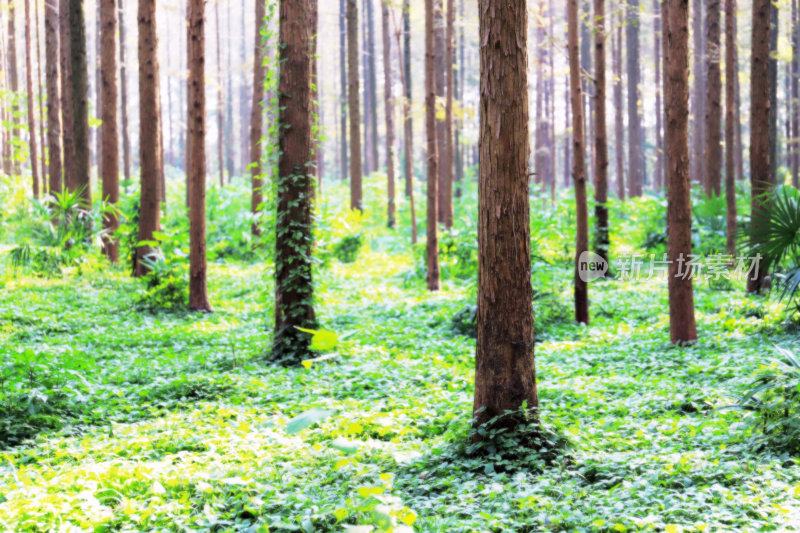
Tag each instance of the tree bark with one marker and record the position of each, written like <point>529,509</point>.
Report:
<point>408,92</point>
<point>13,78</point>
<point>343,163</point>
<point>773,94</point>
<point>373,86</point>
<point>431,230</point>
<point>389,112</point>
<point>619,118</point>
<point>150,156</point>
<point>445,186</point>
<point>293,265</point>
<point>355,110</point>
<point>257,120</point>
<point>698,103</point>
<point>505,372</point>
<point>578,161</point>
<point>658,180</point>
<point>635,151</point>
<point>675,15</point>
<point>123,93</point>
<point>795,92</point>
<point>196,119</point>
<point>53,103</point>
<point>600,139</point>
<point>760,161</point>
<point>449,67</point>
<point>98,94</point>
<point>713,146</point>
<point>30,100</point>
<point>220,101</point>
<point>109,131</point>
<point>79,77</point>
<point>40,87</point>
<point>730,125</point>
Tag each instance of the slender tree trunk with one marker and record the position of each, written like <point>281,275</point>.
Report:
<point>408,92</point>
<point>196,119</point>
<point>80,98</point>
<point>373,84</point>
<point>675,14</point>
<point>256,120</point>
<point>67,112</point>
<point>773,94</point>
<point>730,125</point>
<point>713,146</point>
<point>407,163</point>
<point>220,101</point>
<point>579,161</point>
<point>98,93</point>
<point>567,134</point>
<point>230,132</point>
<point>293,264</point>
<point>449,67</point>
<point>343,87</point>
<point>505,372</point>
<point>109,131</point>
<point>795,91</point>
<point>30,101</point>
<point>389,111</point>
<point>760,162</point>
<point>600,139</point>
<point>739,148</point>
<point>459,98</point>
<point>585,43</point>
<point>635,151</point>
<point>4,107</point>
<point>657,48</point>
<point>150,155</point>
<point>445,185</point>
<point>369,164</point>
<point>355,109</point>
<point>11,57</point>
<point>40,88</point>
<point>619,119</point>
<point>698,104</point>
<point>53,103</point>
<point>123,93</point>
<point>431,230</point>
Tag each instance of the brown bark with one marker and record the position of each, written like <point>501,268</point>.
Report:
<point>257,120</point>
<point>79,77</point>
<point>343,163</point>
<point>353,99</point>
<point>675,15</point>
<point>40,97</point>
<point>196,121</point>
<point>30,101</point>
<point>600,139</point>
<point>96,156</point>
<point>109,131</point>
<point>795,92</point>
<point>150,156</point>
<point>713,129</point>
<point>449,68</point>
<point>294,289</point>
<point>760,162</point>
<point>220,100</point>
<point>505,373</point>
<point>578,160</point>
<point>408,94</point>
<point>389,112</point>
<point>619,119</point>
<point>730,124</point>
<point>431,230</point>
<point>635,149</point>
<point>658,180</point>
<point>445,190</point>
<point>53,103</point>
<point>698,103</point>
<point>13,79</point>
<point>123,93</point>
<point>5,139</point>
<point>773,94</point>
<point>369,22</point>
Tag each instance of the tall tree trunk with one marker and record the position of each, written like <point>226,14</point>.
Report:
<point>343,163</point>
<point>445,205</point>
<point>713,146</point>
<point>373,83</point>
<point>109,131</point>
<point>98,94</point>
<point>4,111</point>
<point>355,109</point>
<point>675,14</point>
<point>67,112</point>
<point>431,230</point>
<point>196,119</point>
<point>657,48</point>
<point>760,162</point>
<point>635,150</point>
<point>80,98</point>
<point>13,79</point>
<point>619,119</point>
<point>585,40</point>
<point>53,103</point>
<point>40,88</point>
<point>730,125</point>
<point>505,372</point>
<point>150,155</point>
<point>220,101</point>
<point>293,264</point>
<point>458,154</point>
<point>600,139</point>
<point>739,148</point>
<point>795,92</point>
<point>256,120</point>
<point>578,161</point>
<point>567,136</point>
<point>123,93</point>
<point>407,90</point>
<point>30,100</point>
<point>369,164</point>
<point>230,132</point>
<point>698,103</point>
<point>389,111</point>
<point>773,94</point>
<point>449,67</point>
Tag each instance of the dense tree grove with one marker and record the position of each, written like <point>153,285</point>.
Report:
<point>399,265</point>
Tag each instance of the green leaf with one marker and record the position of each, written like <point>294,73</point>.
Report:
<point>309,418</point>
<point>321,340</point>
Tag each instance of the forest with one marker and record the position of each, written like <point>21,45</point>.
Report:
<point>399,265</point>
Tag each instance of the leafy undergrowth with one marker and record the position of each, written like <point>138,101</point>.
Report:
<point>116,419</point>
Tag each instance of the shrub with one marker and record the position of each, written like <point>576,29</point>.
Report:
<point>348,247</point>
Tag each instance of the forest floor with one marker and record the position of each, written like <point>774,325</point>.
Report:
<point>174,422</point>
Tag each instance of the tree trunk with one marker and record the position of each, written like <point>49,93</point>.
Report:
<point>123,93</point>
<point>698,104</point>
<point>30,100</point>
<point>109,131</point>
<point>196,120</point>
<point>713,146</point>
<point>431,230</point>
<point>98,94</point>
<point>730,125</point>
<point>739,149</point>
<point>567,137</point>
<point>353,99</point>
<point>449,68</point>
<point>445,206</point>
<point>658,179</point>
<point>343,163</point>
<point>13,79</point>
<point>600,139</point>
<point>408,95</point>
<point>220,102</point>
<point>256,120</point>
<point>4,108</point>
<point>505,372</point>
<point>773,95</point>
<point>79,77</point>
<point>293,264</point>
<point>230,132</point>
<point>795,91</point>
<point>585,40</point>
<point>40,87</point>
<point>619,119</point>
<point>53,103</point>
<point>369,164</point>
<point>389,111</point>
<point>675,15</point>
<point>150,156</point>
<point>373,89</point>
<point>760,162</point>
<point>578,161</point>
<point>635,152</point>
